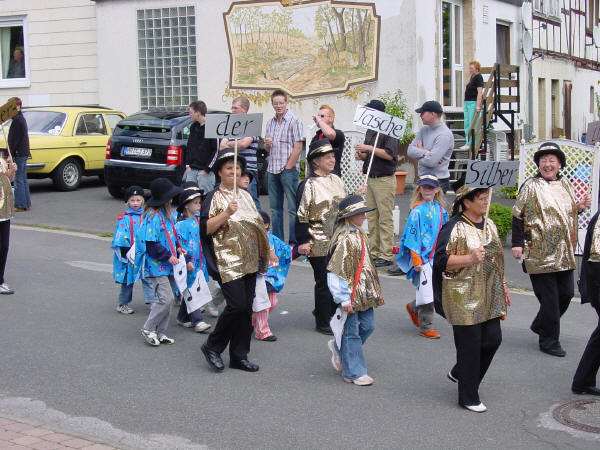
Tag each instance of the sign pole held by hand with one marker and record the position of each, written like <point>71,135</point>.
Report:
<point>235,159</point>
<point>372,156</point>
<point>487,214</point>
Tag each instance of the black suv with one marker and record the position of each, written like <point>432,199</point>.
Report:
<point>151,144</point>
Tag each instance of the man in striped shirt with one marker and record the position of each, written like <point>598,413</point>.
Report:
<point>247,147</point>
<point>283,141</point>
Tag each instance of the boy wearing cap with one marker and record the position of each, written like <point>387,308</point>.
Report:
<point>544,236</point>
<point>433,145</point>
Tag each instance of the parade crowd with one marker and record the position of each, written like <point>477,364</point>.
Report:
<point>208,243</point>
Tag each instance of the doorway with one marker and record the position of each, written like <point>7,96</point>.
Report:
<point>452,53</point>
<point>567,90</point>
<point>502,43</point>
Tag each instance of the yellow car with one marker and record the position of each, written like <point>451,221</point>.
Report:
<point>67,142</point>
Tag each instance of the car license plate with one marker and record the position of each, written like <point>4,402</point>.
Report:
<point>138,152</point>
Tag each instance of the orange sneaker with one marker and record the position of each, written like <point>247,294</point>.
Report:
<point>413,314</point>
<point>430,334</point>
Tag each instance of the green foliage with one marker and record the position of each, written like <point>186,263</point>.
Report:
<point>396,105</point>
<point>502,217</point>
<point>509,192</point>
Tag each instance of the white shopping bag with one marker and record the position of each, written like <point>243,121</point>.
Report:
<point>425,287</point>
<point>198,294</point>
<point>261,296</point>
<point>130,255</point>
<point>337,325</point>
<point>180,274</point>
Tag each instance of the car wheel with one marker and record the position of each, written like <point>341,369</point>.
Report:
<point>115,191</point>
<point>67,175</point>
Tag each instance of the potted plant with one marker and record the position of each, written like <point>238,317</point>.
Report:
<point>396,105</point>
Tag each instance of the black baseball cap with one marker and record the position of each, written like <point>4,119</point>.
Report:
<point>430,106</point>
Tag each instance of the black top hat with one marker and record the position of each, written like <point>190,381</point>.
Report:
<point>162,190</point>
<point>550,148</point>
<point>430,106</point>
<point>187,196</point>
<point>188,186</point>
<point>319,148</point>
<point>376,104</point>
<point>225,156</point>
<point>352,205</point>
<point>133,190</point>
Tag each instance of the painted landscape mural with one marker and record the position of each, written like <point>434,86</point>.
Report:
<point>306,48</point>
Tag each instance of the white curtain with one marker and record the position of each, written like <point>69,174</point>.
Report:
<point>4,51</point>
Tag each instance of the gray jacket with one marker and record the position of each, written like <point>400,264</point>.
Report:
<point>434,156</point>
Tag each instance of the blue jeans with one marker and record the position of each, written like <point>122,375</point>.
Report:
<point>126,292</point>
<point>357,329</point>
<point>22,199</point>
<point>205,181</point>
<point>280,185</point>
<point>253,190</point>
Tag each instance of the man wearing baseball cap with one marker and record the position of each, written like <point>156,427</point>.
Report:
<point>433,145</point>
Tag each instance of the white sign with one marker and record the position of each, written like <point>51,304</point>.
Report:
<point>380,122</point>
<point>233,126</point>
<point>487,174</point>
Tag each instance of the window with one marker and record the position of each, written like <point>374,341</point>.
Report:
<point>90,124</point>
<point>550,8</point>
<point>113,120</point>
<point>13,61</point>
<point>167,57</point>
<point>44,122</point>
<point>592,99</point>
<point>592,13</point>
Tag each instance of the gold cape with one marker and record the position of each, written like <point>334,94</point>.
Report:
<point>241,245</point>
<point>318,207</point>
<point>475,294</point>
<point>549,212</point>
<point>345,257</point>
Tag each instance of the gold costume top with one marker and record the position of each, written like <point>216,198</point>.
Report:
<point>241,245</point>
<point>595,246</point>
<point>7,203</point>
<point>474,294</point>
<point>549,212</point>
<point>346,247</point>
<point>318,208</point>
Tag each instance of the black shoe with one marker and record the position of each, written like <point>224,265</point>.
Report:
<point>243,364</point>
<point>324,330</point>
<point>587,390</point>
<point>395,271</point>
<point>555,350</point>
<point>213,359</point>
<point>380,262</point>
<point>271,338</point>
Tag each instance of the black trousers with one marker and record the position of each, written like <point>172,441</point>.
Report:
<point>590,360</point>
<point>234,326</point>
<point>476,346</point>
<point>554,291</point>
<point>4,241</point>
<point>324,305</point>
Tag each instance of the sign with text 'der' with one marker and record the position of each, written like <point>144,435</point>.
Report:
<point>380,122</point>
<point>233,126</point>
<point>489,174</point>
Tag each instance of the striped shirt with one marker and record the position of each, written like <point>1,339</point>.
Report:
<point>249,154</point>
<point>284,134</point>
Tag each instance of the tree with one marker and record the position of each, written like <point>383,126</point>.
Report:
<point>339,15</point>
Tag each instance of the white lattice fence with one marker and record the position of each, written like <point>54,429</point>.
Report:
<point>351,168</point>
<point>582,170</point>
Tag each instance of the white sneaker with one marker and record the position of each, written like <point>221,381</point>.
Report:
<point>164,339</point>
<point>5,289</point>
<point>184,324</point>
<point>201,327</point>
<point>476,408</point>
<point>124,309</point>
<point>465,147</point>
<point>365,380</point>
<point>150,337</point>
<point>212,310</point>
<point>335,356</point>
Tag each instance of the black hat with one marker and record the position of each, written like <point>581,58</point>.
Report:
<point>187,186</point>
<point>352,205</point>
<point>133,190</point>
<point>246,173</point>
<point>265,217</point>
<point>550,148</point>
<point>319,148</point>
<point>430,106</point>
<point>187,196</point>
<point>376,104</point>
<point>428,180</point>
<point>225,156</point>
<point>162,190</point>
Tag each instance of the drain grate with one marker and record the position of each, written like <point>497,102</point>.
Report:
<point>581,415</point>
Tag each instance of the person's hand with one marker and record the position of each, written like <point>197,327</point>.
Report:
<point>585,202</point>
<point>419,144</point>
<point>348,308</point>
<point>190,266</point>
<point>268,143</point>
<point>173,260</point>
<point>507,299</point>
<point>418,268</point>
<point>224,145</point>
<point>304,249</point>
<point>181,251</point>
<point>288,167</point>
<point>363,148</point>
<point>477,255</point>
<point>316,119</point>
<point>273,259</point>
<point>517,252</point>
<point>232,207</point>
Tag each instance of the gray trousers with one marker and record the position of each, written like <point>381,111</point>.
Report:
<point>160,310</point>
<point>425,313</point>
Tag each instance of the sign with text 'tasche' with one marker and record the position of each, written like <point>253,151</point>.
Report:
<point>380,122</point>
<point>489,174</point>
<point>233,126</point>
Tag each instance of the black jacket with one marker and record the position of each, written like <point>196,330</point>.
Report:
<point>18,139</point>
<point>200,150</point>
<point>589,278</point>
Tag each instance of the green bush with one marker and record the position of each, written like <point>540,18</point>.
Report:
<point>396,105</point>
<point>509,192</point>
<point>502,217</point>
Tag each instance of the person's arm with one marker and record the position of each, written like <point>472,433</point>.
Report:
<point>340,291</point>
<point>297,136</point>
<point>216,222</point>
<point>230,144</point>
<point>157,251</point>
<point>328,131</point>
<point>415,149</point>
<point>438,151</point>
<point>385,151</point>
<point>479,98</point>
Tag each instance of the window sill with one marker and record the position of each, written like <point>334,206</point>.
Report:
<point>9,83</point>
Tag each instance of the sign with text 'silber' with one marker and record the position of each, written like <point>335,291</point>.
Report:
<point>233,126</point>
<point>488,174</point>
<point>380,122</point>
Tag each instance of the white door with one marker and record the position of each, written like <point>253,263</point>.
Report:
<point>452,53</point>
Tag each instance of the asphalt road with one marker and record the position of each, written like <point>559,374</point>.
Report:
<point>70,359</point>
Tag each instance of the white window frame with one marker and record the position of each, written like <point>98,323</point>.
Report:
<point>15,21</point>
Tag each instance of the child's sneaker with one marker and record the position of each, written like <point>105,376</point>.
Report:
<point>212,310</point>
<point>430,334</point>
<point>335,356</point>
<point>125,309</point>
<point>414,317</point>
<point>201,327</point>
<point>184,324</point>
<point>364,380</point>
<point>150,338</point>
<point>164,339</point>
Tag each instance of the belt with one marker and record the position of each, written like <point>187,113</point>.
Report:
<point>381,176</point>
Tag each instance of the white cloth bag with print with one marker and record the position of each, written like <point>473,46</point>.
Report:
<point>425,287</point>
<point>180,274</point>
<point>261,296</point>
<point>198,294</point>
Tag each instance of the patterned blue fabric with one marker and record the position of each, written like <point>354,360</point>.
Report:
<point>123,271</point>
<point>188,231</point>
<point>420,235</point>
<point>276,276</point>
<point>151,230</point>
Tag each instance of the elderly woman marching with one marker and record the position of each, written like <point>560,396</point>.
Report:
<point>470,291</point>
<point>237,249</point>
<point>544,236</point>
<point>318,197</point>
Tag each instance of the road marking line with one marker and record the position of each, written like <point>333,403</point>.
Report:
<point>90,265</point>
<point>63,232</point>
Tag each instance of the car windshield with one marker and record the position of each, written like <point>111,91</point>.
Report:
<point>45,122</point>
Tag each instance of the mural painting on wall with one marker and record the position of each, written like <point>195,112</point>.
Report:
<point>305,47</point>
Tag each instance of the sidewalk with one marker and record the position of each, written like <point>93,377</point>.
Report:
<point>21,435</point>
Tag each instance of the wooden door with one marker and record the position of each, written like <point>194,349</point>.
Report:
<point>567,89</point>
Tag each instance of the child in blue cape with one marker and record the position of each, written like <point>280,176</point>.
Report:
<point>157,251</point>
<point>275,279</point>
<point>188,230</point>
<point>417,248</point>
<point>126,227</point>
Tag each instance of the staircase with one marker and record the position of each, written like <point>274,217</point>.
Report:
<point>455,121</point>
